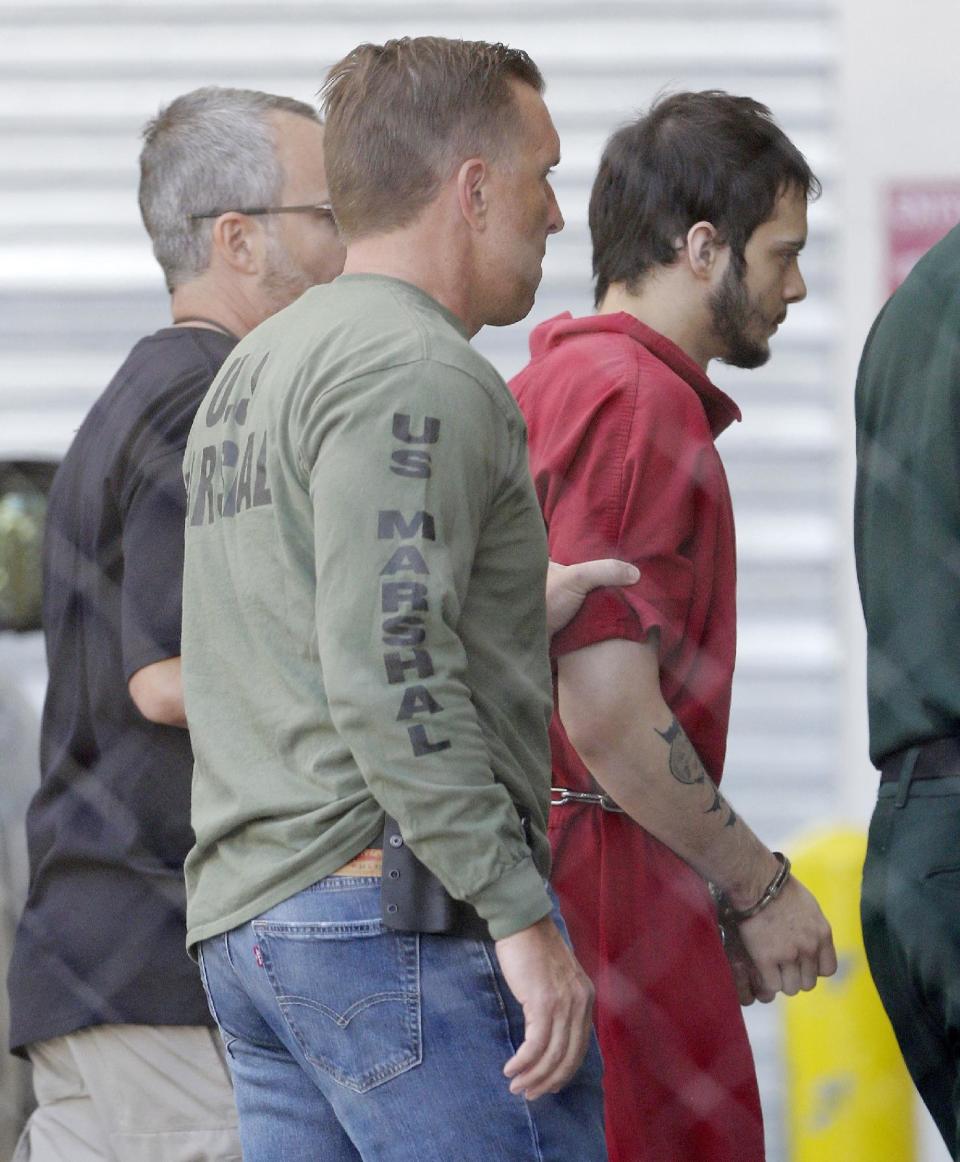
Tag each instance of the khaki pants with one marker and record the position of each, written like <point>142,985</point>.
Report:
<point>131,1093</point>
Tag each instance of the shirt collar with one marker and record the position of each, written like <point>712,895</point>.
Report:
<point>411,291</point>
<point>720,409</point>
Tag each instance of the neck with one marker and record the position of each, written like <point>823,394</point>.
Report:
<point>664,305</point>
<point>427,257</point>
<point>213,307</point>
<point>202,322</point>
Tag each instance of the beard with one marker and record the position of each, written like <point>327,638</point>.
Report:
<point>736,322</point>
<point>283,280</point>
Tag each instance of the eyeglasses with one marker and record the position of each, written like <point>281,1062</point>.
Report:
<point>315,207</point>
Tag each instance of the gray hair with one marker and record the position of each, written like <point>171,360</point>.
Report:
<point>211,149</point>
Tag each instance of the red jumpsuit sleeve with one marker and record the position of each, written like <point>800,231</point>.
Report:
<point>629,491</point>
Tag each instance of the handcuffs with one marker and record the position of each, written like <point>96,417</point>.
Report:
<point>563,796</point>
<point>728,915</point>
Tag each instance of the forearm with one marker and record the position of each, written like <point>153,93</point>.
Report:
<point>615,716</point>
<point>437,783</point>
<point>640,755</point>
<point>404,692</point>
<point>655,775</point>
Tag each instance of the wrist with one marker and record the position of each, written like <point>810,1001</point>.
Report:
<point>770,893</point>
<point>743,892</point>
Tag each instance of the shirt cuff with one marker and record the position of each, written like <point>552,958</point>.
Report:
<point>157,652</point>
<point>605,614</point>
<point>513,902</point>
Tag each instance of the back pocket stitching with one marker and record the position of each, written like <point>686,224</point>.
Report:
<point>409,1056</point>
<point>342,1020</point>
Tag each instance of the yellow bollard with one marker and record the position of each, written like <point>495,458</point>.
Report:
<point>849,1097</point>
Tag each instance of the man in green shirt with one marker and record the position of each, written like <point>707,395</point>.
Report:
<point>365,633</point>
<point>907,533</point>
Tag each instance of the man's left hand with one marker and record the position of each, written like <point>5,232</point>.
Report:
<point>568,585</point>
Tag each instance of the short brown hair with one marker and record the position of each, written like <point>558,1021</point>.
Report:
<point>400,117</point>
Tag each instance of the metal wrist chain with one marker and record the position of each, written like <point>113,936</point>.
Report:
<point>772,890</point>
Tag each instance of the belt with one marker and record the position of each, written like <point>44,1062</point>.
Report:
<point>563,796</point>
<point>368,863</point>
<point>936,759</point>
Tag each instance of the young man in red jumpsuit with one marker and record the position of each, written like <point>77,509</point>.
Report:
<point>698,216</point>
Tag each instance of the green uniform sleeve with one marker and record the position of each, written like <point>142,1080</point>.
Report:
<point>410,471</point>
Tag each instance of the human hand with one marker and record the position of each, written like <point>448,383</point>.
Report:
<point>568,585</point>
<point>746,979</point>
<point>557,1000</point>
<point>789,942</point>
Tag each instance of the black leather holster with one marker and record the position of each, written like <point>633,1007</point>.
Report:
<point>414,900</point>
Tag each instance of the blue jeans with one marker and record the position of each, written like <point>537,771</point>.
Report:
<point>348,1041</point>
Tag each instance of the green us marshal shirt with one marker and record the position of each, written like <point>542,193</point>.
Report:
<point>364,624</point>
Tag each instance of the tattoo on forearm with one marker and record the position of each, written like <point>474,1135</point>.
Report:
<point>720,804</point>
<point>686,768</point>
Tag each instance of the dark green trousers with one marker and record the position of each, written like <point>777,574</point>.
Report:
<point>910,909</point>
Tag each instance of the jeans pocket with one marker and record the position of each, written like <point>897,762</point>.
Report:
<point>349,992</point>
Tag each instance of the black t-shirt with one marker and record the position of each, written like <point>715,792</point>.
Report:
<point>101,940</point>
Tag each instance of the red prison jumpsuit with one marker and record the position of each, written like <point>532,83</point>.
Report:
<point>621,430</point>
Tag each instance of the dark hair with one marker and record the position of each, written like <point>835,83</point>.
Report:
<point>693,157</point>
<point>401,116</point>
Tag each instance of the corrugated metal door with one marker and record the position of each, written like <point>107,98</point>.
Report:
<point>78,284</point>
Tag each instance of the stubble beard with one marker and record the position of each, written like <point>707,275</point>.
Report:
<point>283,280</point>
<point>733,315</point>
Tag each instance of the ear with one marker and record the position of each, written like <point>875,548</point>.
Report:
<point>472,182</point>
<point>238,241</point>
<point>703,249</point>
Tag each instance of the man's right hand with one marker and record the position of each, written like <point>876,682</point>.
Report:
<point>557,1000</point>
<point>789,942</point>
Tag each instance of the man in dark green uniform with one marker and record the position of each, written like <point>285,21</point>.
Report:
<point>907,531</point>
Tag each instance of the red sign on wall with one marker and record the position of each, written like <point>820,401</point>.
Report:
<point>918,215</point>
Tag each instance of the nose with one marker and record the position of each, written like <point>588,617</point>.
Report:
<point>795,289</point>
<point>555,221</point>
